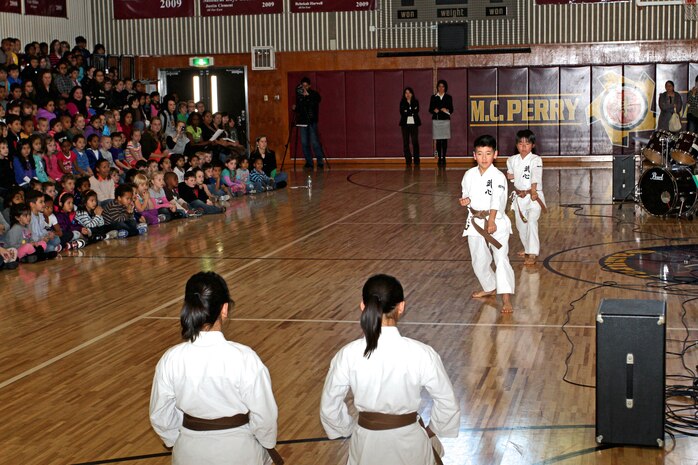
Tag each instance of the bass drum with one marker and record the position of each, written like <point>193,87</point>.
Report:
<point>653,150</point>
<point>668,191</point>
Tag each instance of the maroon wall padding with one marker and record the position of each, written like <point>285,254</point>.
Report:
<point>541,81</point>
<point>481,81</point>
<point>576,139</point>
<point>332,128</point>
<point>421,81</point>
<point>513,82</point>
<point>361,119</point>
<point>387,90</point>
<point>571,109</point>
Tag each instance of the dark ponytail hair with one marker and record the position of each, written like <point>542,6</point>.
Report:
<point>380,295</point>
<point>204,297</point>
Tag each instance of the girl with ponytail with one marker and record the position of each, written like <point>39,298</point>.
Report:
<point>386,373</point>
<point>211,398</point>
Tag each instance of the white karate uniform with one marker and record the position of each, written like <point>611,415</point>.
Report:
<point>390,381</point>
<point>213,378</point>
<point>527,171</point>
<point>487,192</point>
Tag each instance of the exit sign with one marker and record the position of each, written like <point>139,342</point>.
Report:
<point>201,62</point>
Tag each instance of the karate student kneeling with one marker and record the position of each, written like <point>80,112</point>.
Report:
<point>386,373</point>
<point>212,398</point>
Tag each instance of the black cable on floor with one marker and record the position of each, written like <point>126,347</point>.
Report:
<point>681,400</point>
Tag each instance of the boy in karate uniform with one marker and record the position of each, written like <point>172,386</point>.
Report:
<point>487,226</point>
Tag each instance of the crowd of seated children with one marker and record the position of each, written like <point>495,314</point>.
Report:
<point>86,156</point>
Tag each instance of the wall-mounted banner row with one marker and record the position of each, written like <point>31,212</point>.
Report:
<point>144,9</point>
<point>567,2</point>
<point>55,8</point>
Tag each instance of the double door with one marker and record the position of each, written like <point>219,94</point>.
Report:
<point>220,89</point>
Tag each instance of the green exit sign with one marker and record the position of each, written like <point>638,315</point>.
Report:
<point>201,62</point>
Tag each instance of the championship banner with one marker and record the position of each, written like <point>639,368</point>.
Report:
<point>10,6</point>
<point>240,7</point>
<point>318,6</point>
<point>54,8</point>
<point>146,9</point>
<point>567,2</point>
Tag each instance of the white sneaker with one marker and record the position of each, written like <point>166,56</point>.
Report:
<point>223,198</point>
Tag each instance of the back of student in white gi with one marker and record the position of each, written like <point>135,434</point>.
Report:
<point>386,373</point>
<point>484,193</point>
<point>525,170</point>
<point>210,378</point>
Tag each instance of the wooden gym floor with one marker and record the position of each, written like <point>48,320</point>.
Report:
<point>80,336</point>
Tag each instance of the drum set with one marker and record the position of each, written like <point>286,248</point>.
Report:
<point>668,186</point>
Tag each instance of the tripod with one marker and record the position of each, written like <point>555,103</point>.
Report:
<point>293,134</point>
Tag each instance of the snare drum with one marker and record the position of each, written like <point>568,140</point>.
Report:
<point>668,191</point>
<point>686,149</point>
<point>653,150</point>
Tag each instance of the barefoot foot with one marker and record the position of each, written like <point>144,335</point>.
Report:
<point>483,294</point>
<point>507,307</point>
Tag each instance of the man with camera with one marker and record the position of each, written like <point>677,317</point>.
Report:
<point>307,112</point>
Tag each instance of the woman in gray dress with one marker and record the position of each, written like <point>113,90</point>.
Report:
<point>669,102</point>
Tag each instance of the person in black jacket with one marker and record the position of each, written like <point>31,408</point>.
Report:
<point>97,93</point>
<point>307,109</point>
<point>441,108</point>
<point>268,157</point>
<point>410,122</point>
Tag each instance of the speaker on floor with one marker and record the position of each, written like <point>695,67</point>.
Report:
<point>452,37</point>
<point>630,367</point>
<point>623,176</point>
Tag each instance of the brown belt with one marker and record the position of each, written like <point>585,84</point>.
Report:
<point>241,419</point>
<point>375,421</point>
<point>483,214</point>
<point>524,193</point>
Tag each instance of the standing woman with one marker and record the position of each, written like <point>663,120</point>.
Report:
<point>386,373</point>
<point>212,398</point>
<point>441,107</point>
<point>669,102</point>
<point>410,122</point>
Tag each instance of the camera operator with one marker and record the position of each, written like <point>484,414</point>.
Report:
<point>307,108</point>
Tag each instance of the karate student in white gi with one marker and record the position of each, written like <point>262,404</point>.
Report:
<point>386,373</point>
<point>211,398</point>
<point>488,227</point>
<point>525,170</point>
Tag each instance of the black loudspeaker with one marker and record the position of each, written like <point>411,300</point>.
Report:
<point>453,37</point>
<point>630,366</point>
<point>623,176</point>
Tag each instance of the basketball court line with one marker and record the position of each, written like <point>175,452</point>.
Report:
<point>174,300</point>
<point>407,323</point>
<point>325,439</point>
